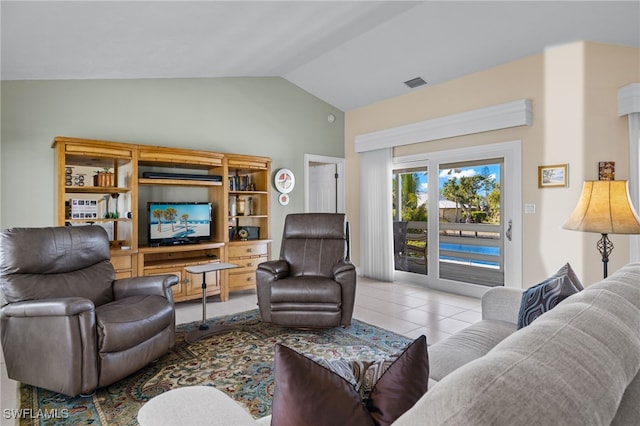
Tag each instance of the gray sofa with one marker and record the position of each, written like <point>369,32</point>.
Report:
<point>575,365</point>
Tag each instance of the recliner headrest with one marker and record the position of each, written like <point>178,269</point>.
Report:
<point>315,225</point>
<point>52,250</point>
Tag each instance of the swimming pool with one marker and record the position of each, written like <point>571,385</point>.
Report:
<point>462,248</point>
<point>489,251</point>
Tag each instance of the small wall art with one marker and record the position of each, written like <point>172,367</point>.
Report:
<point>607,170</point>
<point>556,175</point>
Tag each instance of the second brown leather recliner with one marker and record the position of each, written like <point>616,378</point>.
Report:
<point>313,284</point>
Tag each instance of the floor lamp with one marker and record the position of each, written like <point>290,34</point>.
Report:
<point>604,207</point>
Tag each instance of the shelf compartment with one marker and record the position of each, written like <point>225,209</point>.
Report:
<point>95,190</point>
<point>248,193</point>
<point>177,182</point>
<point>97,220</point>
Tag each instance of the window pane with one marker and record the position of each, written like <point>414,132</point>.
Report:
<point>410,219</point>
<point>470,229</point>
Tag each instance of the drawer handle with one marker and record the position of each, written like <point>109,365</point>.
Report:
<point>249,279</point>
<point>250,264</point>
<point>249,250</point>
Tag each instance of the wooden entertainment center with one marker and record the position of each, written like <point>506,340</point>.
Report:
<point>103,183</point>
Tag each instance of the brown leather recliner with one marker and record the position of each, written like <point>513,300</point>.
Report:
<point>67,324</point>
<point>314,283</point>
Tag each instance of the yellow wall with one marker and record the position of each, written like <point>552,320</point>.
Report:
<point>573,89</point>
<point>606,136</point>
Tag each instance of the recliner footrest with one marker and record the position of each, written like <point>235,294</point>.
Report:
<point>315,307</point>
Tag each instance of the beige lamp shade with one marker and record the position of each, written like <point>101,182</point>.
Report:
<point>604,207</point>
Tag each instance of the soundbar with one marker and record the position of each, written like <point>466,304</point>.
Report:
<point>181,176</point>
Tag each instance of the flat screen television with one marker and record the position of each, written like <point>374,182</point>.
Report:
<point>172,223</point>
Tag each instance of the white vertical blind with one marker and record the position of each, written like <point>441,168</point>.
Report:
<point>629,105</point>
<point>634,177</point>
<point>376,233</point>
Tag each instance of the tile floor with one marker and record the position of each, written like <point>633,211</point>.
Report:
<point>399,307</point>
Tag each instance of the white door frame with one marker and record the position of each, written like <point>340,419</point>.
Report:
<point>339,162</point>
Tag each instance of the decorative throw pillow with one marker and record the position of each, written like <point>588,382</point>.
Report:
<point>319,393</point>
<point>401,383</point>
<point>545,296</point>
<point>569,272</point>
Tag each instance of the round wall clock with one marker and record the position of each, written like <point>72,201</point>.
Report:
<point>284,181</point>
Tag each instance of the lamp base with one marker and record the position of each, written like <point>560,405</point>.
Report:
<point>605,247</point>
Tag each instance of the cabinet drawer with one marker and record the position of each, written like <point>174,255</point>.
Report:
<point>236,251</point>
<point>242,281</point>
<point>121,262</point>
<point>248,263</point>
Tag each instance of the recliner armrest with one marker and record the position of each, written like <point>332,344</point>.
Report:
<point>159,285</point>
<point>60,307</point>
<point>344,272</point>
<point>342,266</point>
<point>278,268</point>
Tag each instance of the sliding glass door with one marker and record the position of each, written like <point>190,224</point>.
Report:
<point>456,218</point>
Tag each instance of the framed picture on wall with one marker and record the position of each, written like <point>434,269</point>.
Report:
<point>607,170</point>
<point>553,176</point>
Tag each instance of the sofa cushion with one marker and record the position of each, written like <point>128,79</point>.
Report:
<point>314,392</point>
<point>629,409</point>
<point>466,345</point>
<point>545,296</point>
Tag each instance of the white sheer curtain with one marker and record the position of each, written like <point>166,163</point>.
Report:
<point>376,233</point>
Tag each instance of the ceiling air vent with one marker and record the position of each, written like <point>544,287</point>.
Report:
<point>415,82</point>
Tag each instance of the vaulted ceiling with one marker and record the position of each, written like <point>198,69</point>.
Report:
<point>348,53</point>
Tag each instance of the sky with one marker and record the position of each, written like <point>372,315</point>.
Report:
<point>446,174</point>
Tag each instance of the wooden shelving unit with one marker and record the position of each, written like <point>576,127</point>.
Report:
<point>248,183</point>
<point>127,221</point>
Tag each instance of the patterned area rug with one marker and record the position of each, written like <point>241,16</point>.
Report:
<point>239,363</point>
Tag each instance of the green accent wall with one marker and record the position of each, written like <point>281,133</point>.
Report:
<point>265,116</point>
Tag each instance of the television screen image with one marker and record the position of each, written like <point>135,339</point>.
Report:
<point>171,222</point>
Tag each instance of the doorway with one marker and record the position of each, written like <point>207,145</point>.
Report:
<point>324,184</point>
